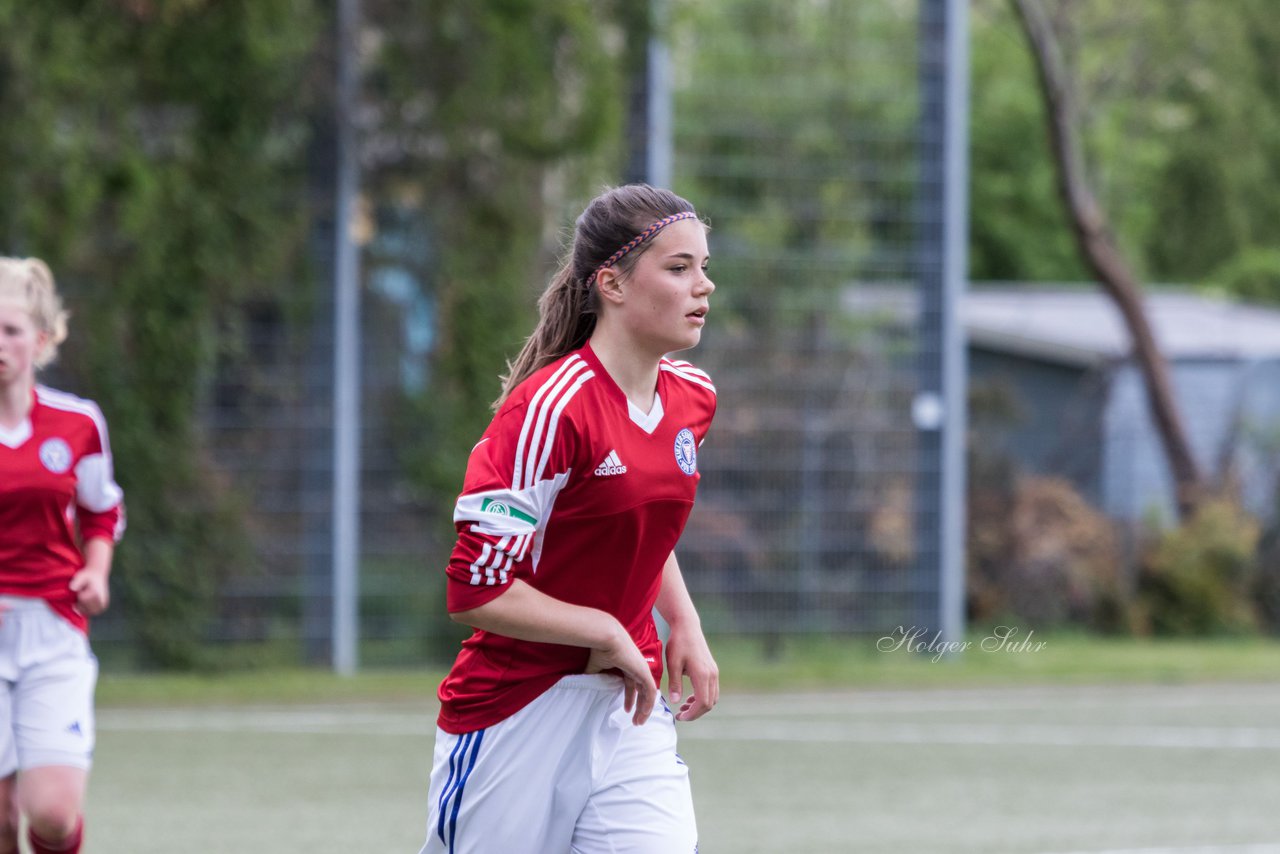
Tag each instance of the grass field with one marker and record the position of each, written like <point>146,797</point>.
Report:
<point>1083,745</point>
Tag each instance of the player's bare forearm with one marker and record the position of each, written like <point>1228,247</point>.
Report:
<point>687,651</point>
<point>674,603</point>
<point>98,554</point>
<point>525,613</point>
<point>92,583</point>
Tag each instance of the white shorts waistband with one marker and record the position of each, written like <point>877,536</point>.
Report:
<point>601,682</point>
<point>23,603</point>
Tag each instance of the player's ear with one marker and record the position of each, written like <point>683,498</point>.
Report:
<point>609,285</point>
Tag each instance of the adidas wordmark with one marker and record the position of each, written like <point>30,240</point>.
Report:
<point>611,465</point>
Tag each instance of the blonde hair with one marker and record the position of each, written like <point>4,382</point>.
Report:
<point>567,308</point>
<point>28,282</point>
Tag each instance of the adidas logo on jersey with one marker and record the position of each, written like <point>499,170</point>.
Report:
<point>611,465</point>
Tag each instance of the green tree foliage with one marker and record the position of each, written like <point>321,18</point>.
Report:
<point>805,147</point>
<point>489,115</point>
<point>151,151</point>
<point>1215,196</point>
<point>1253,273</point>
<point>1181,109</point>
<point>1018,226</point>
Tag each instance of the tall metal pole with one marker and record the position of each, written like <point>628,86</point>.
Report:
<point>940,407</point>
<point>346,354</point>
<point>658,148</point>
<point>658,144</point>
<point>955,237</point>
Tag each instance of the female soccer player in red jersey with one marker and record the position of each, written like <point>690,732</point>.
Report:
<point>552,736</point>
<point>60,518</point>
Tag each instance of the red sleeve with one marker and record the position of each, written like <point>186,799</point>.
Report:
<point>513,477</point>
<point>108,526</point>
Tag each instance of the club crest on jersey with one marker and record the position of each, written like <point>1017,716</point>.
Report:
<point>686,452</point>
<point>55,454</point>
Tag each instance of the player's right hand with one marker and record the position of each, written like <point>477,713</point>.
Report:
<point>92,592</point>
<point>621,652</point>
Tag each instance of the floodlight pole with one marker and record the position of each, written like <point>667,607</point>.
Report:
<point>649,111</point>
<point>346,353</point>
<point>658,109</point>
<point>955,260</point>
<point>652,129</point>
<point>940,408</point>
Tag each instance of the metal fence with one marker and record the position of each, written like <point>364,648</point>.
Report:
<point>814,137</point>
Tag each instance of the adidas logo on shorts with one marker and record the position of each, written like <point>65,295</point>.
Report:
<point>611,466</point>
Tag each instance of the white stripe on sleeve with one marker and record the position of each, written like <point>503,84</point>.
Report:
<point>532,415</point>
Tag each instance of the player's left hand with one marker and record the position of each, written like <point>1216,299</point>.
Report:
<point>689,655</point>
<point>93,594</point>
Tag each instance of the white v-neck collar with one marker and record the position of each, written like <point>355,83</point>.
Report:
<point>12,437</point>
<point>646,421</point>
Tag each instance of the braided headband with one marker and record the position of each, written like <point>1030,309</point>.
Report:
<point>638,239</point>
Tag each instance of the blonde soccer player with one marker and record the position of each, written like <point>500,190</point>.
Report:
<point>61,514</point>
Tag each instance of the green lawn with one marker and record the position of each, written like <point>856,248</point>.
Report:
<point>800,663</point>
<point>995,769</point>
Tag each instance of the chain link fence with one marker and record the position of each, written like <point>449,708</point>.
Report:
<point>804,130</point>
<point>809,134</point>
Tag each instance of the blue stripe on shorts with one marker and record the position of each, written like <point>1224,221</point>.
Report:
<point>454,786</point>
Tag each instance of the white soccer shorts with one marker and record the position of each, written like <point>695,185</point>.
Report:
<point>47,678</point>
<point>567,774</point>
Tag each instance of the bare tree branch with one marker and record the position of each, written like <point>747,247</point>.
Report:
<point>1098,248</point>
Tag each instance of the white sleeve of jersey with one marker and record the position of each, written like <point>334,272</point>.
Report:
<point>96,487</point>
<point>510,520</point>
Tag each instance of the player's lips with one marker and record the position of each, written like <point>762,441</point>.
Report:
<point>699,315</point>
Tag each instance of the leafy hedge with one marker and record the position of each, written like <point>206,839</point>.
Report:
<point>151,152</point>
<point>501,114</point>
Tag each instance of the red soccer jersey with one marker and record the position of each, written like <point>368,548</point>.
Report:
<point>576,492</point>
<point>55,477</point>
